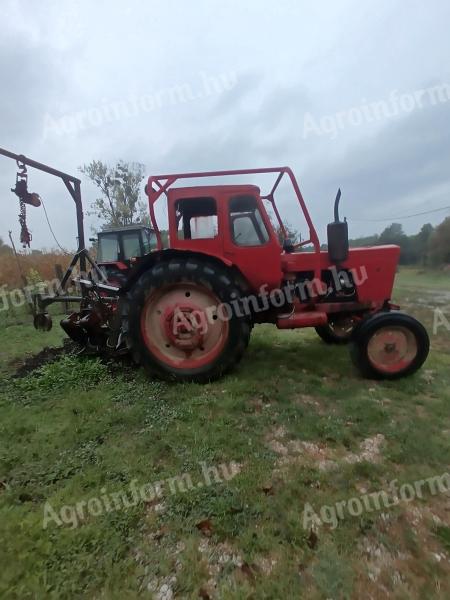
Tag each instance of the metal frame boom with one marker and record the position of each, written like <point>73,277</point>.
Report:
<point>73,185</point>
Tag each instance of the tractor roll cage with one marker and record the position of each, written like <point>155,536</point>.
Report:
<point>160,184</point>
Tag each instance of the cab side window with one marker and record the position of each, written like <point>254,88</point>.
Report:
<point>247,225</point>
<point>196,218</point>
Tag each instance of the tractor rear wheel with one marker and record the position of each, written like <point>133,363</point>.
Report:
<point>337,331</point>
<point>389,346</point>
<point>182,325</point>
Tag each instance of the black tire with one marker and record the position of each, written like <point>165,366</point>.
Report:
<point>397,322</point>
<point>334,335</point>
<point>205,276</point>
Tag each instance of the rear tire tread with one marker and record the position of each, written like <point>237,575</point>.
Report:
<point>187,270</point>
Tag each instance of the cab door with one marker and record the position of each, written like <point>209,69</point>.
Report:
<point>194,218</point>
<point>249,240</point>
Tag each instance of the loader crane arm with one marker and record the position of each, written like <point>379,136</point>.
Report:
<point>73,185</point>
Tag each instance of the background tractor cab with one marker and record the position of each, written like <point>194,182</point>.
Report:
<point>118,248</point>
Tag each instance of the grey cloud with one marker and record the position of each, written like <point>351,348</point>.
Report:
<point>407,159</point>
<point>289,59</point>
<point>32,80</point>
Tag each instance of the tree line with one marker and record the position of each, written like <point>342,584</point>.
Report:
<point>429,247</point>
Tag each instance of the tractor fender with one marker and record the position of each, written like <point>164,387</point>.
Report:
<point>148,261</point>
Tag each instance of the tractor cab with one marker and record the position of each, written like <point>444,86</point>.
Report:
<point>118,248</point>
<point>226,221</point>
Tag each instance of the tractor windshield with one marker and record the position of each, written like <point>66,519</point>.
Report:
<point>131,244</point>
<point>247,226</point>
<point>124,245</point>
<point>108,247</point>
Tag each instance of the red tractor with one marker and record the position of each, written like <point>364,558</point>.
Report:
<point>188,309</point>
<point>185,311</point>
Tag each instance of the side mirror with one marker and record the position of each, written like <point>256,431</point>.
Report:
<point>337,234</point>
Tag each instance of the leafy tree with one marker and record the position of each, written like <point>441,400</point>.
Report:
<point>421,243</point>
<point>424,234</point>
<point>439,244</point>
<point>120,186</point>
<point>393,234</point>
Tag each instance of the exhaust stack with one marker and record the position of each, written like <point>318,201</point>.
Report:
<point>337,234</point>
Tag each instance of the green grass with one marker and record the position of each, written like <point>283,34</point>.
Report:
<point>79,428</point>
<point>419,278</point>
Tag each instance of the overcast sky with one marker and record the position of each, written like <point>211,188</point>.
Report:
<point>350,94</point>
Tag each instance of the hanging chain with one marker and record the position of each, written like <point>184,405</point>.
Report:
<point>20,190</point>
<point>25,235</point>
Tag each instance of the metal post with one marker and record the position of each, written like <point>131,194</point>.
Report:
<point>80,226</point>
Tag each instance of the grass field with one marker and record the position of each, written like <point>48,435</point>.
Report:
<point>298,427</point>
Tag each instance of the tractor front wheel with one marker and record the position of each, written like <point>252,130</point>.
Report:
<point>389,346</point>
<point>182,321</point>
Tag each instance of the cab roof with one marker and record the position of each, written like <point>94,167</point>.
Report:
<point>118,229</point>
<point>202,189</point>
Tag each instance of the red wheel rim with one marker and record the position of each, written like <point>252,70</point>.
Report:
<point>181,327</point>
<point>392,349</point>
